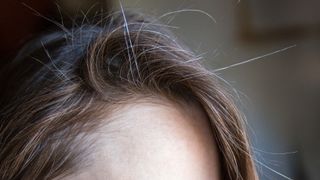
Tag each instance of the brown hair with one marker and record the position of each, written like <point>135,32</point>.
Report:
<point>59,85</point>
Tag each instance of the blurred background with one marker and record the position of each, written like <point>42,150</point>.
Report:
<point>278,86</point>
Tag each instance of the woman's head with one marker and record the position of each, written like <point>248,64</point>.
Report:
<point>119,97</point>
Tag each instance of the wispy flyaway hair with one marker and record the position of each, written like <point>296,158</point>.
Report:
<point>59,85</point>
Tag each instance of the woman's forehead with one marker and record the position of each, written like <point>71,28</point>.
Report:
<point>155,140</point>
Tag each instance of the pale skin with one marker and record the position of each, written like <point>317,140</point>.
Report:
<point>157,140</point>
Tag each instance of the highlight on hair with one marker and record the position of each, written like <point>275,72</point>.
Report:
<point>59,85</point>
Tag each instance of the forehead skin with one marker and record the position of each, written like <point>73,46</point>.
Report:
<point>159,141</point>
